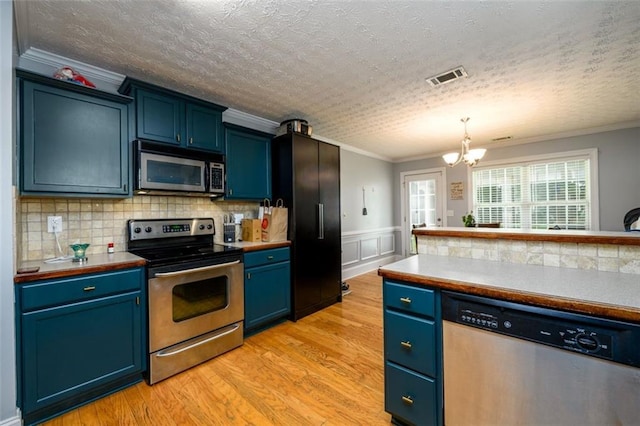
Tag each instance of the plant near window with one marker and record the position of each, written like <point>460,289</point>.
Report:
<point>469,220</point>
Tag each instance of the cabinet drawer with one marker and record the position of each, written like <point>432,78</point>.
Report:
<point>410,341</point>
<point>264,257</point>
<point>410,396</point>
<point>409,299</point>
<point>84,287</point>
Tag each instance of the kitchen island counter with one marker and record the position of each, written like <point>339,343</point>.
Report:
<point>67,268</point>
<point>249,246</point>
<point>557,236</point>
<point>604,294</point>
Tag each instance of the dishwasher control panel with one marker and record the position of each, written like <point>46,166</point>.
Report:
<point>550,331</point>
<point>602,338</point>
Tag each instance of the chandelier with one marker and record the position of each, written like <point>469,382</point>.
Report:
<point>469,156</point>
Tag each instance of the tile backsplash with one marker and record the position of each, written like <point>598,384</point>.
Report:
<point>102,221</point>
<point>600,257</point>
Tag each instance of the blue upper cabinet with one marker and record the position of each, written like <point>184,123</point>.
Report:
<point>159,117</point>
<point>73,139</point>
<point>165,116</point>
<point>204,128</point>
<point>248,162</point>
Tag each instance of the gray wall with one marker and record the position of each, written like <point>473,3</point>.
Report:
<point>376,176</point>
<point>8,412</point>
<point>618,171</point>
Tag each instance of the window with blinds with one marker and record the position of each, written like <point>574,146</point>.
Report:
<point>543,194</point>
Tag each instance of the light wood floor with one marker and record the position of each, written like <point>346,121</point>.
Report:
<point>325,369</point>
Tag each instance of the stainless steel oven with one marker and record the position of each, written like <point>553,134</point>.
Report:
<point>195,292</point>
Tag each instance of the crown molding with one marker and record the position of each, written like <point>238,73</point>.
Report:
<point>37,56</point>
<point>244,119</point>
<point>352,149</point>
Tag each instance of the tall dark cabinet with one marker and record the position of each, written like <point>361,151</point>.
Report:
<point>306,175</point>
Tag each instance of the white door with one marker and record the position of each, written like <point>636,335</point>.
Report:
<point>422,204</point>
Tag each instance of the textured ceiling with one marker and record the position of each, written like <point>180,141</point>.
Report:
<point>356,69</point>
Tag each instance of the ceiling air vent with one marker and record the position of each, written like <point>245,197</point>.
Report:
<point>447,77</point>
<point>503,138</point>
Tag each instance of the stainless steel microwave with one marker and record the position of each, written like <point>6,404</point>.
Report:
<point>167,170</point>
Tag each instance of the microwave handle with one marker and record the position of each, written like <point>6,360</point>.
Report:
<point>207,177</point>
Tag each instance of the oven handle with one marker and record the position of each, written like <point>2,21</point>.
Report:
<point>201,342</point>
<point>203,268</point>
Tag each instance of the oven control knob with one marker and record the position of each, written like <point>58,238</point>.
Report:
<point>209,226</point>
<point>137,230</point>
<point>147,229</point>
<point>201,227</point>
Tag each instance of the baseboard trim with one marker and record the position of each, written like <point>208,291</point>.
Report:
<point>368,267</point>
<point>12,421</point>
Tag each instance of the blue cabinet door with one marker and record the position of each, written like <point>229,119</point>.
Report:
<point>71,143</point>
<point>165,116</point>
<point>72,349</point>
<point>158,117</point>
<point>248,163</point>
<point>267,294</point>
<point>204,128</point>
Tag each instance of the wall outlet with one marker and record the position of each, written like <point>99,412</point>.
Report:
<point>54,224</point>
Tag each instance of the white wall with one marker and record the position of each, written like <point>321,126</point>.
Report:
<point>618,169</point>
<point>8,411</point>
<point>371,240</point>
<point>376,177</point>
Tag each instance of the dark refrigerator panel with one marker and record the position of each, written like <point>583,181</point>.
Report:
<point>306,176</point>
<point>329,197</point>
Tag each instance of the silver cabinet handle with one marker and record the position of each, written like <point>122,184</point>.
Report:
<point>407,400</point>
<point>321,221</point>
<point>178,137</point>
<point>406,344</point>
<point>405,300</point>
<point>190,141</point>
<point>89,288</point>
<point>188,271</point>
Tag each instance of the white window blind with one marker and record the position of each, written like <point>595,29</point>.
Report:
<point>544,194</point>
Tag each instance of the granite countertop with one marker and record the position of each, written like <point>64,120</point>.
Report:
<point>95,263</point>
<point>560,236</point>
<point>603,294</point>
<point>109,262</point>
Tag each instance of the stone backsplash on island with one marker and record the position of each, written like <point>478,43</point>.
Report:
<point>600,257</point>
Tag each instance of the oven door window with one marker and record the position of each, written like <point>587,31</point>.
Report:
<point>197,298</point>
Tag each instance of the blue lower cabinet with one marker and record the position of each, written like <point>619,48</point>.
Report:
<point>409,396</point>
<point>412,342</point>
<point>72,353</point>
<point>267,288</point>
<point>413,388</point>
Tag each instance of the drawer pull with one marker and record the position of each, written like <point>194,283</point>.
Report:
<point>405,300</point>
<point>89,288</point>
<point>406,344</point>
<point>407,400</point>
<point>269,257</point>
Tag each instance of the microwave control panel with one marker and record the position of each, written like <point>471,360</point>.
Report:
<point>217,178</point>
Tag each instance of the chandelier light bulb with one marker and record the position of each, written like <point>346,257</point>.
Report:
<point>469,156</point>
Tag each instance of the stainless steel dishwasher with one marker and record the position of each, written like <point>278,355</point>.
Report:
<point>512,364</point>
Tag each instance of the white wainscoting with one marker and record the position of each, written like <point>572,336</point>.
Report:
<point>364,251</point>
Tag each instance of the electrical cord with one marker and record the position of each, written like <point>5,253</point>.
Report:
<point>62,257</point>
